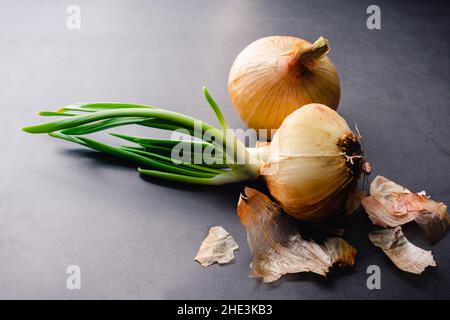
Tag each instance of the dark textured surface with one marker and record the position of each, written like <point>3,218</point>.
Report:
<point>134,238</point>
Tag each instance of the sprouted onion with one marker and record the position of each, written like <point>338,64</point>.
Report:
<point>310,167</point>
<point>274,76</point>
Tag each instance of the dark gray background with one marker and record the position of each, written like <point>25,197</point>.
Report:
<point>136,238</point>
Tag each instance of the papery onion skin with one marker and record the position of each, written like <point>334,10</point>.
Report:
<point>391,205</point>
<point>314,161</point>
<point>274,76</point>
<point>277,246</point>
<point>402,253</point>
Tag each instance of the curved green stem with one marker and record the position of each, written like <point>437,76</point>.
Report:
<point>67,138</point>
<point>164,125</point>
<point>169,143</point>
<point>101,125</point>
<point>220,179</point>
<point>174,117</point>
<point>78,120</point>
<point>176,172</point>
<point>218,112</point>
<point>55,114</point>
<point>91,107</point>
<point>169,160</point>
<point>153,163</point>
<point>246,164</point>
<point>101,106</point>
<point>95,117</point>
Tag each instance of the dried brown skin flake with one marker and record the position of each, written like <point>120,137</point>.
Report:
<point>341,252</point>
<point>218,247</point>
<point>278,247</point>
<point>402,253</point>
<point>391,205</point>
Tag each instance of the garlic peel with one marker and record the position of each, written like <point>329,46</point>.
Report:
<point>402,253</point>
<point>391,205</point>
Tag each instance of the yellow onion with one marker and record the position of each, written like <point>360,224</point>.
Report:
<point>312,163</point>
<point>274,76</point>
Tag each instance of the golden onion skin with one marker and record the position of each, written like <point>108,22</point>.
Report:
<point>269,80</point>
<point>310,171</point>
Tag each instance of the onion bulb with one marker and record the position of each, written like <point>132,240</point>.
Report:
<point>274,76</point>
<point>312,163</point>
<point>310,167</point>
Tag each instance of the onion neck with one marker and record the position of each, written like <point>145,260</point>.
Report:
<point>309,56</point>
<point>241,160</point>
<point>260,152</point>
<point>248,165</point>
<point>255,158</point>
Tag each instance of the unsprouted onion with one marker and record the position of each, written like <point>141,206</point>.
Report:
<point>310,167</point>
<point>274,76</point>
